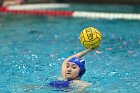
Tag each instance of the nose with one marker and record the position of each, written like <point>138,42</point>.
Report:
<point>69,69</point>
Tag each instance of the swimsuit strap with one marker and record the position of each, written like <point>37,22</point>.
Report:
<point>60,84</point>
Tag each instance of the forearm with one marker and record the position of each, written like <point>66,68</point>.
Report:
<point>82,53</point>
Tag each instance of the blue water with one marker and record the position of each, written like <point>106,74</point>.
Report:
<point>32,49</point>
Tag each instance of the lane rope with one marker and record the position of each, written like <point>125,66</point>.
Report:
<point>37,12</point>
<point>29,9</point>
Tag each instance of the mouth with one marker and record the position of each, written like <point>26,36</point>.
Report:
<point>68,73</point>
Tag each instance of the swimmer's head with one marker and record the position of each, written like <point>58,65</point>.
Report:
<point>80,63</point>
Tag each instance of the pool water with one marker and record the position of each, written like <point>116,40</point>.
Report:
<point>32,49</point>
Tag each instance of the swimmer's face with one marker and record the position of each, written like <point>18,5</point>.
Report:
<point>72,71</point>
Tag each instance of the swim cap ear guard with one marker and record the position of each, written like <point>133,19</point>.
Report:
<point>80,63</point>
<point>82,72</point>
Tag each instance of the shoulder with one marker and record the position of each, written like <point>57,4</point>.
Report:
<point>85,83</point>
<point>81,83</point>
<point>80,86</point>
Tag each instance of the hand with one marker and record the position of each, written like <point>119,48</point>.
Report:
<point>96,47</point>
<point>97,51</point>
<point>91,48</point>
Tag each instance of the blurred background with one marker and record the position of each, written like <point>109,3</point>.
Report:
<point>89,1</point>
<point>136,2</point>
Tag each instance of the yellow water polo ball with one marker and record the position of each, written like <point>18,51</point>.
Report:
<point>90,37</point>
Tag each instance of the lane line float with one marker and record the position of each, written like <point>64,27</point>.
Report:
<point>32,9</point>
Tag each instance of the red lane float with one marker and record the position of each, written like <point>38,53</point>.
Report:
<point>37,12</point>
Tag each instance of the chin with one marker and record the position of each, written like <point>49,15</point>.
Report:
<point>69,78</point>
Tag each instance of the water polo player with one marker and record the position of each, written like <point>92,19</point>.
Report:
<point>73,68</point>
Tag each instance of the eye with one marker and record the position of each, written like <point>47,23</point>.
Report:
<point>74,67</point>
<point>67,66</point>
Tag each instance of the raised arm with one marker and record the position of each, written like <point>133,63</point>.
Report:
<point>79,55</point>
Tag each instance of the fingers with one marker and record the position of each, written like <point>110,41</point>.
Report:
<point>90,49</point>
<point>93,49</point>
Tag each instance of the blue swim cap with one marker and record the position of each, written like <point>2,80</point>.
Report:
<point>80,63</point>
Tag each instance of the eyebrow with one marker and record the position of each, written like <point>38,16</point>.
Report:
<point>74,65</point>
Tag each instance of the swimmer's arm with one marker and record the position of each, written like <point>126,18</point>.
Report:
<point>79,55</point>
